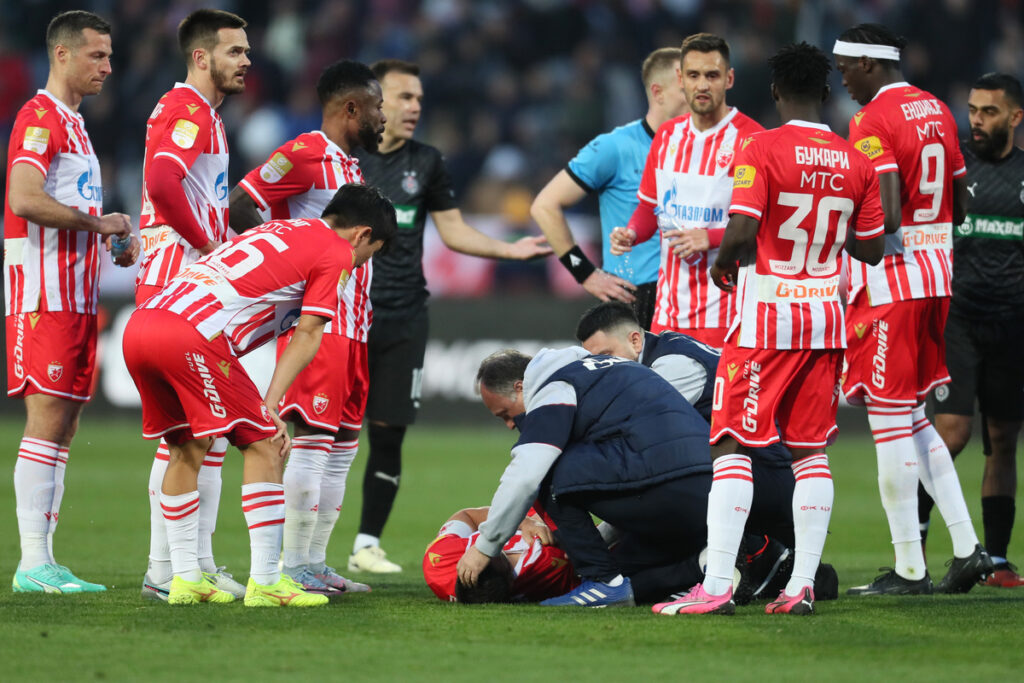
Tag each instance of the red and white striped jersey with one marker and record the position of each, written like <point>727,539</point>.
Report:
<point>254,287</point>
<point>298,181</point>
<point>49,269</point>
<point>688,179</point>
<point>184,128</point>
<point>806,186</point>
<point>911,132</point>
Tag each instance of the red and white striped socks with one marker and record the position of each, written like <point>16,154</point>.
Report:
<point>332,494</point>
<point>732,489</point>
<point>35,482</point>
<point>812,508</point>
<point>209,483</point>
<point>940,480</point>
<point>263,505</point>
<point>181,519</point>
<point>898,470</point>
<point>302,482</point>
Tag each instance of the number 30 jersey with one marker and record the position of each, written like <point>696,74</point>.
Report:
<point>254,287</point>
<point>807,187</point>
<point>911,132</point>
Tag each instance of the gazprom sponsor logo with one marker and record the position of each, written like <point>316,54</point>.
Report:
<point>88,188</point>
<point>992,227</point>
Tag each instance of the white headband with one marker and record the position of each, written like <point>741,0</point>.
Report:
<point>844,49</point>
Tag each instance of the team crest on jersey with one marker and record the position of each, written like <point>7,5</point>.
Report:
<point>410,183</point>
<point>724,156</point>
<point>320,402</point>
<point>265,413</point>
<point>55,371</point>
<point>942,393</point>
<point>744,176</point>
<point>1022,192</point>
<point>732,369</point>
<point>276,168</point>
<point>184,133</point>
<point>870,146</point>
<point>36,139</point>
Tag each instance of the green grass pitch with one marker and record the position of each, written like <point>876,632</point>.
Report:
<point>401,632</point>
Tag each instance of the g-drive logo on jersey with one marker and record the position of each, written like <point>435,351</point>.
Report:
<point>197,364</point>
<point>88,189</point>
<point>752,372</point>
<point>693,214</point>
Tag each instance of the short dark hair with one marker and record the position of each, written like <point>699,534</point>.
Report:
<point>658,60</point>
<point>704,42</point>
<point>494,584</point>
<point>341,77</point>
<point>199,29</point>
<point>1000,81</point>
<point>66,29</point>
<point>382,67</point>
<point>800,72</point>
<point>355,204</point>
<point>604,317</point>
<point>875,34</point>
<point>501,370</point>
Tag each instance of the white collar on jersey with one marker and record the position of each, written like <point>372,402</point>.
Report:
<point>901,84</point>
<point>57,103</point>
<point>808,124</point>
<point>717,127</point>
<point>193,89</point>
<point>845,49</point>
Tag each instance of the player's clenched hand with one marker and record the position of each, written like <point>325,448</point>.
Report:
<point>608,287</point>
<point>281,433</point>
<point>130,255</point>
<point>115,224</point>
<point>531,529</point>
<point>621,240</point>
<point>472,563</point>
<point>725,276</point>
<point>685,243</point>
<point>528,248</point>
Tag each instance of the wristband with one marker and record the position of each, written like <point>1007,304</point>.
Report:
<point>577,263</point>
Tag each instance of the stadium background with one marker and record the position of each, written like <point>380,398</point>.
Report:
<point>513,89</point>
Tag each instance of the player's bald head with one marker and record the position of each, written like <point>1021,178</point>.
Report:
<point>67,29</point>
<point>343,78</point>
<point>200,30</point>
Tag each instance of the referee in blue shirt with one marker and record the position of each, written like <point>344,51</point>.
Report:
<point>611,165</point>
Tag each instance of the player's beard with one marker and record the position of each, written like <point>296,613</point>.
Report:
<point>369,136</point>
<point>991,145</point>
<point>223,80</point>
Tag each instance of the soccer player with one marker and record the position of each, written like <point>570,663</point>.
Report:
<point>597,435</point>
<point>182,348</point>
<point>414,177</point>
<point>184,216</point>
<point>53,227</point>
<point>611,165</point>
<point>986,313</point>
<point>685,191</point>
<point>801,194</point>
<point>897,309</point>
<point>327,400</point>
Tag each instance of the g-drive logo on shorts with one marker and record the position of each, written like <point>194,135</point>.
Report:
<point>752,373</point>
<point>878,360</point>
<point>197,364</point>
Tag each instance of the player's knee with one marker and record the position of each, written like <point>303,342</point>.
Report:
<point>1002,437</point>
<point>955,431</point>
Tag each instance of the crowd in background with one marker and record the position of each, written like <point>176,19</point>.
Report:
<point>513,87</point>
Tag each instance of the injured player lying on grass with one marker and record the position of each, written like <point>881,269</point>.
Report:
<point>532,567</point>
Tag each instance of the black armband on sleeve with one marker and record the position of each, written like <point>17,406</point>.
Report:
<point>577,263</point>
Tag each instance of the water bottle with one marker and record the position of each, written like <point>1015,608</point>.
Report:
<point>118,245</point>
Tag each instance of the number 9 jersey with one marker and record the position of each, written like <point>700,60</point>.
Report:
<point>909,131</point>
<point>807,187</point>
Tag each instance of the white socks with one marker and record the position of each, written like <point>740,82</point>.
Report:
<point>812,508</point>
<point>897,484</point>
<point>302,482</point>
<point>732,488</point>
<point>263,505</point>
<point>332,495</point>
<point>209,501</point>
<point>940,480</point>
<point>181,519</point>
<point>35,484</point>
<point>159,570</point>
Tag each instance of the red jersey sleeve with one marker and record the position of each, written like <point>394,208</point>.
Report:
<point>868,219</point>
<point>37,138</point>
<point>750,180</point>
<point>648,191</point>
<point>440,562</point>
<point>872,138</point>
<point>186,133</point>
<point>327,280</point>
<point>289,171</point>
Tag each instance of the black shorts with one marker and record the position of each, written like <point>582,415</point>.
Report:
<point>395,350</point>
<point>984,362</point>
<point>643,304</point>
